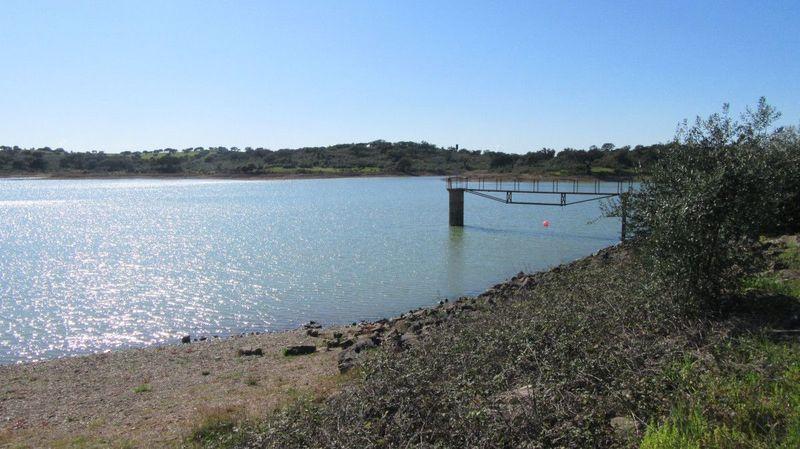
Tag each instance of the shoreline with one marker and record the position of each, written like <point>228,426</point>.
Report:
<point>292,176</point>
<point>167,390</point>
<point>156,395</point>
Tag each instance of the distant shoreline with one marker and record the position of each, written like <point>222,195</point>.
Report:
<point>67,176</point>
<point>290,176</point>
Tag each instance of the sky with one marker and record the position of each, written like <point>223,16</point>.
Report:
<point>504,76</point>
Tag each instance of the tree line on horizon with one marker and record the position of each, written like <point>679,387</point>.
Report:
<point>372,158</point>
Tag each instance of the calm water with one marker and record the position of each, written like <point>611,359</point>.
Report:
<point>92,265</point>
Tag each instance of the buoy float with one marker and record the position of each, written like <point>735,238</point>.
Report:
<point>546,223</point>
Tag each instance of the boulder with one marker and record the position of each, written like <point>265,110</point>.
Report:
<point>363,344</point>
<point>347,359</point>
<point>186,339</point>
<point>300,350</point>
<point>243,352</point>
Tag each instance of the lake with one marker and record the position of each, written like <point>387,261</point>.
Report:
<point>94,265</point>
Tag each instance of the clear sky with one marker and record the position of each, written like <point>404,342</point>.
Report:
<point>511,76</point>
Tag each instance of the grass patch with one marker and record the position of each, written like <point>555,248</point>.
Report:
<point>220,429</point>
<point>772,284</point>
<point>791,256</point>
<point>753,402</point>
<point>143,388</point>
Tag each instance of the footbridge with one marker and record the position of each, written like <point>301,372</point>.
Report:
<point>535,192</point>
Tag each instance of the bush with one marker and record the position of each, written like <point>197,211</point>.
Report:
<point>711,194</point>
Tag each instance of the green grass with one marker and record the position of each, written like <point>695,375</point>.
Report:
<point>772,284</point>
<point>143,388</point>
<point>791,256</point>
<point>752,402</point>
<point>218,431</point>
<point>750,399</point>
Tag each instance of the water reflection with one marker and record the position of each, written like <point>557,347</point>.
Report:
<point>455,259</point>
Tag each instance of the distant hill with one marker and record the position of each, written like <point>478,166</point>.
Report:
<point>353,159</point>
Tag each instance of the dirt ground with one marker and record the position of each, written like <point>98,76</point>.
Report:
<point>155,397</point>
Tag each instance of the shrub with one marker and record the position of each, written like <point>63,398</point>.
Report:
<point>711,194</point>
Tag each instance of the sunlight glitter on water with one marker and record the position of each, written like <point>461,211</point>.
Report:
<point>92,265</point>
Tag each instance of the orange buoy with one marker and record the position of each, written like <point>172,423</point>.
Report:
<point>546,223</point>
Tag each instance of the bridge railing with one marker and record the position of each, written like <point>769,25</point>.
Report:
<point>537,185</point>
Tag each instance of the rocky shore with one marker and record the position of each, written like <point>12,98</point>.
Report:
<point>404,331</point>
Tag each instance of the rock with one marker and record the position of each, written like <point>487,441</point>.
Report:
<point>407,340</point>
<point>337,335</point>
<point>511,403</point>
<point>312,333</point>
<point>349,356</point>
<point>339,343</point>
<point>518,394</point>
<point>347,359</point>
<point>250,351</point>
<point>312,325</point>
<point>186,339</point>
<point>363,344</point>
<point>205,373</point>
<point>203,338</point>
<point>623,426</point>
<point>300,350</point>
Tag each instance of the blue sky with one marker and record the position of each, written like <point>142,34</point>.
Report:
<point>510,76</point>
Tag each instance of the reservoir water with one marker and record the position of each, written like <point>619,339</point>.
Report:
<point>95,265</point>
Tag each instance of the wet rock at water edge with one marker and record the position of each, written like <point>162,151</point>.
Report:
<point>312,333</point>
<point>312,325</point>
<point>300,350</point>
<point>186,339</point>
<point>244,352</point>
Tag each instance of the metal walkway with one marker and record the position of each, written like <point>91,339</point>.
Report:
<point>566,189</point>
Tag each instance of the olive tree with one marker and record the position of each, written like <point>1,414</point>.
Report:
<point>709,197</point>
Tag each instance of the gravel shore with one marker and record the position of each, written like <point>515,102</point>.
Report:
<point>154,397</point>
